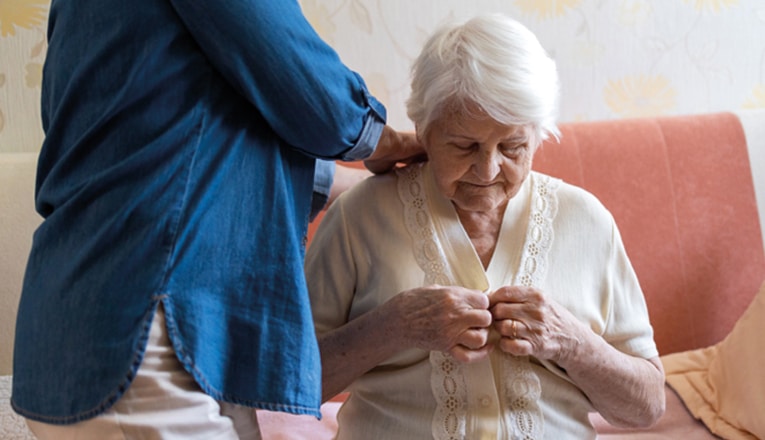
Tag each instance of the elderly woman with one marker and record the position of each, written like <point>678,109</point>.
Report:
<point>519,312</point>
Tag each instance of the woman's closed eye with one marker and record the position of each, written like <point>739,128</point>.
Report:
<point>467,147</point>
<point>513,150</point>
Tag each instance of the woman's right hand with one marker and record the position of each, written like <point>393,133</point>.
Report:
<point>444,318</point>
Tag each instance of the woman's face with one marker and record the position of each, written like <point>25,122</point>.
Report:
<point>478,163</point>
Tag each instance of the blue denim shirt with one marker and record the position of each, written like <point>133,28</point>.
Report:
<point>178,167</point>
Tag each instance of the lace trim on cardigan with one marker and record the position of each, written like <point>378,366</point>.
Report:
<point>522,389</point>
<point>447,381</point>
<point>428,252</point>
<point>539,234</point>
<point>522,415</point>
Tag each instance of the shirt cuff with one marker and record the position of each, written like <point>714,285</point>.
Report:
<point>324,174</point>
<point>370,133</point>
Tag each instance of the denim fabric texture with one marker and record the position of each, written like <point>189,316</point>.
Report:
<point>178,167</point>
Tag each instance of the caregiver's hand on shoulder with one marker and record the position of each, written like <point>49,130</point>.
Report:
<point>530,324</point>
<point>445,318</point>
<point>395,147</point>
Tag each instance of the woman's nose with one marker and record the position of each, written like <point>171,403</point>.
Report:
<point>487,165</point>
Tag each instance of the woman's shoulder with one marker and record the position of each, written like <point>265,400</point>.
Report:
<point>369,196</point>
<point>576,202</point>
<point>373,186</point>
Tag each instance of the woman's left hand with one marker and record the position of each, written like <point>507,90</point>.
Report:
<point>626,390</point>
<point>533,325</point>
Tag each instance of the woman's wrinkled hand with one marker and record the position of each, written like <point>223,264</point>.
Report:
<point>445,318</point>
<point>530,324</point>
<point>395,147</point>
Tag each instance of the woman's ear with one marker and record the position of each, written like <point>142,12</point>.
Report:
<point>421,138</point>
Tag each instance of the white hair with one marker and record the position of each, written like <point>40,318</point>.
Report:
<point>492,62</point>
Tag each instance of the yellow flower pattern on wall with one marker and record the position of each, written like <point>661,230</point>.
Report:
<point>640,95</point>
<point>546,8</point>
<point>26,14</point>
<point>758,97</point>
<point>714,5</point>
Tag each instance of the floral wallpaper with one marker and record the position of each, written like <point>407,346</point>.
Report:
<point>617,58</point>
<point>22,53</point>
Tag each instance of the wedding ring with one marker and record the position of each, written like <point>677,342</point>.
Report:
<point>515,332</point>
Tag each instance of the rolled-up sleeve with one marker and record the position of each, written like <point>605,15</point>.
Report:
<point>370,134</point>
